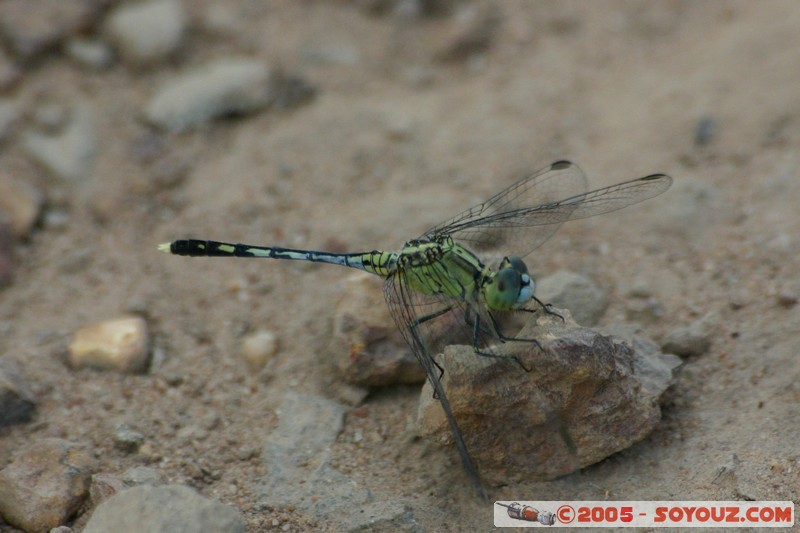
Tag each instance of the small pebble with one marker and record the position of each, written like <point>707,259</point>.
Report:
<point>120,345</point>
<point>147,33</point>
<point>692,340</point>
<point>127,439</point>
<point>92,54</point>
<point>788,298</point>
<point>142,475</point>
<point>705,131</point>
<point>640,289</point>
<point>259,348</point>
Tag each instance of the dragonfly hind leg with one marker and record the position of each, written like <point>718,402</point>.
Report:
<point>422,320</point>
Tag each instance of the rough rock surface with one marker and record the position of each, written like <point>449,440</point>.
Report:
<point>587,395</point>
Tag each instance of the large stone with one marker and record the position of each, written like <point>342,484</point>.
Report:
<point>226,87</point>
<point>45,484</point>
<point>586,396</point>
<point>164,509</point>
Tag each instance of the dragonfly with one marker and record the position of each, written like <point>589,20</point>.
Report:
<point>441,278</point>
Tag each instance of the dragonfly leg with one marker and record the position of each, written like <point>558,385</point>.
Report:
<point>475,336</point>
<point>422,320</point>
<point>548,309</point>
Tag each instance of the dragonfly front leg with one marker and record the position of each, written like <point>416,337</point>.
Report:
<point>496,327</point>
<point>548,309</point>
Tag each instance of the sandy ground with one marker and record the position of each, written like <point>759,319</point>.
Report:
<point>396,140</point>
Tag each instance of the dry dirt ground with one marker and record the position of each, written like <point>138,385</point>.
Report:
<point>399,137</point>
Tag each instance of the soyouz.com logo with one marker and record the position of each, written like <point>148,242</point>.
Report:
<point>684,514</point>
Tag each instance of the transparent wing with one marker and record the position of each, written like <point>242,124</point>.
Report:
<point>428,322</point>
<point>523,216</point>
<point>408,308</point>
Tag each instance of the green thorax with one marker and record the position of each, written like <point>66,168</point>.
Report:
<point>443,267</point>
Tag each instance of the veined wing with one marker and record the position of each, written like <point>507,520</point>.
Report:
<point>477,226</point>
<point>452,321</point>
<point>407,309</point>
<point>523,216</point>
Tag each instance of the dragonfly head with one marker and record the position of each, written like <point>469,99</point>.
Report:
<point>511,286</point>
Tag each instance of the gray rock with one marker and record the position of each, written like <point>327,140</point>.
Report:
<point>45,484</point>
<point>586,301</point>
<point>17,403</point>
<point>69,153</point>
<point>587,396</point>
<point>692,340</point>
<point>127,439</point>
<point>147,33</point>
<point>231,86</point>
<point>142,475</point>
<point>300,444</point>
<point>297,458</point>
<point>165,509</point>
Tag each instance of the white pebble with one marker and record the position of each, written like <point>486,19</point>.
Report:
<point>119,344</point>
<point>259,347</point>
<point>146,33</point>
